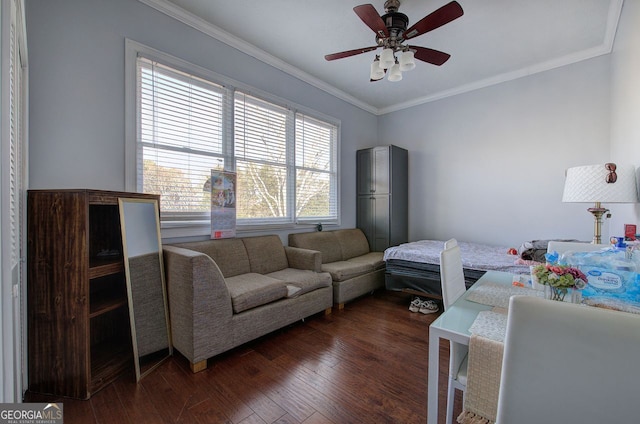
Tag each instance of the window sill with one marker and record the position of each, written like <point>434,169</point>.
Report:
<point>177,232</point>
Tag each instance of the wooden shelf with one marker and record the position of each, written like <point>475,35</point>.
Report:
<point>107,293</point>
<point>105,305</point>
<point>100,267</point>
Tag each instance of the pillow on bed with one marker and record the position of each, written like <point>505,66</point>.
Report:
<point>535,250</point>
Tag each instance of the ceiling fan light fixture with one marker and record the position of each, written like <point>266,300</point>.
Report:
<point>407,61</point>
<point>392,30</point>
<point>395,74</point>
<point>387,59</point>
<point>377,72</point>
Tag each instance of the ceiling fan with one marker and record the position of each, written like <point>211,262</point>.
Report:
<point>391,33</point>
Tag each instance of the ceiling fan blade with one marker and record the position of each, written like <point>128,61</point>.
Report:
<point>348,53</point>
<point>444,15</point>
<point>435,57</point>
<point>370,17</point>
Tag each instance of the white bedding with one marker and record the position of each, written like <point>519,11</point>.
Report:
<point>474,255</point>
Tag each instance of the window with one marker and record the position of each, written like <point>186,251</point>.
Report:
<point>316,163</point>
<point>189,123</point>
<point>261,147</point>
<point>181,137</point>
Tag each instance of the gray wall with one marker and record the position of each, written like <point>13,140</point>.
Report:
<point>76,77</point>
<point>625,104</point>
<point>488,166</point>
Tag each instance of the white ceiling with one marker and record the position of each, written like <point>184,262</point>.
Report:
<point>494,41</point>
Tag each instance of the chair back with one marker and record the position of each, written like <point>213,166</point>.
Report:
<point>567,363</point>
<point>574,246</point>
<point>451,273</point>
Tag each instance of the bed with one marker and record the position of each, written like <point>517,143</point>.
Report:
<point>415,267</point>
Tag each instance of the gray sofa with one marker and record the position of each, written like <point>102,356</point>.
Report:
<point>223,293</point>
<point>354,269</point>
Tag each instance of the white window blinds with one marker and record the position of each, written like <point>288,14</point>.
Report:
<point>316,169</point>
<point>286,161</point>
<point>261,146</point>
<point>182,128</point>
<point>13,167</point>
<point>16,141</point>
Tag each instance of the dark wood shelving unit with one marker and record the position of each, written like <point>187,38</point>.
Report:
<point>79,333</point>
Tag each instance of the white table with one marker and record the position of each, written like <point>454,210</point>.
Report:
<point>453,325</point>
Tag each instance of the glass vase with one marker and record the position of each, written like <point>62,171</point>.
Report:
<point>562,294</point>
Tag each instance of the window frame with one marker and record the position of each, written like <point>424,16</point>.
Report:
<point>176,229</point>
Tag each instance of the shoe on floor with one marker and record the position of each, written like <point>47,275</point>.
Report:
<point>415,304</point>
<point>428,307</point>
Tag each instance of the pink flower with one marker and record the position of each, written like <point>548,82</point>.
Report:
<point>556,269</point>
<point>561,275</point>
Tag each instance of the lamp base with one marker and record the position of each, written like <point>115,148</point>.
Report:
<point>597,213</point>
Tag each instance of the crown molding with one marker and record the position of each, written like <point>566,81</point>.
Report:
<point>219,34</point>
<point>615,9</point>
<point>499,79</point>
<point>170,9</point>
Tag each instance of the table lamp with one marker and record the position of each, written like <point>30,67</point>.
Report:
<point>604,183</point>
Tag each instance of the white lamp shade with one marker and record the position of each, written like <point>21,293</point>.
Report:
<point>407,62</point>
<point>376,71</point>
<point>395,74</point>
<point>588,184</point>
<point>387,59</point>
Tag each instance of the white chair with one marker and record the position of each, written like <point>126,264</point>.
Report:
<point>566,363</point>
<point>566,246</point>
<point>453,286</point>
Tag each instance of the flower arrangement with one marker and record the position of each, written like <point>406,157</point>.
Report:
<point>560,278</point>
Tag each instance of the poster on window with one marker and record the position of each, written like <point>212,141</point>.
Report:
<point>223,204</point>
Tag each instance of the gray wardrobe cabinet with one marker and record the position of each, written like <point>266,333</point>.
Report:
<point>382,188</point>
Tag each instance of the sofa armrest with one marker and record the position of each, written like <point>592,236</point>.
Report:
<point>199,301</point>
<point>304,258</point>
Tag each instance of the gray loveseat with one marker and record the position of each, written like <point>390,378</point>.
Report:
<point>345,255</point>
<point>223,293</point>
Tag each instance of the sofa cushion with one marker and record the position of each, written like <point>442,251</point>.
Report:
<point>352,242</point>
<point>304,280</point>
<point>343,270</point>
<point>323,241</point>
<point>375,259</point>
<point>266,254</point>
<point>250,290</point>
<point>229,254</point>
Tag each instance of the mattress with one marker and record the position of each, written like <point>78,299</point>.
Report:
<point>415,266</point>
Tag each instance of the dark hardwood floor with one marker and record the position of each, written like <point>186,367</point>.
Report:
<point>365,364</point>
